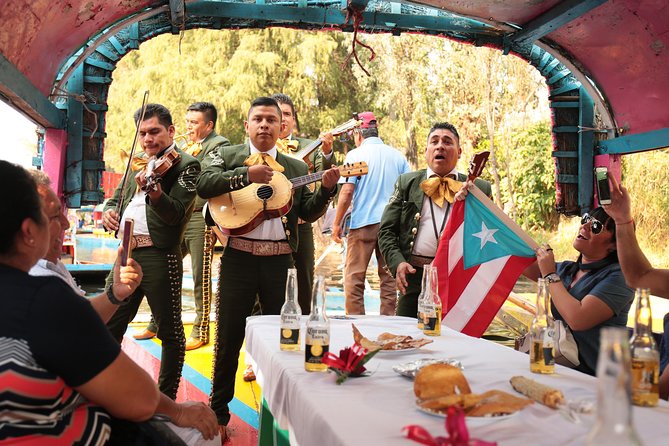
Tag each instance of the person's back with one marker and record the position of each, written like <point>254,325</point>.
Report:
<point>40,370</point>
<point>372,191</point>
<point>368,196</point>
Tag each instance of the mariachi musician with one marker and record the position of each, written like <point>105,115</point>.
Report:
<point>161,203</point>
<point>202,141</point>
<point>319,159</point>
<point>255,263</point>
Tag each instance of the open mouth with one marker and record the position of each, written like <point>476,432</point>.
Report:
<point>439,157</point>
<point>581,237</point>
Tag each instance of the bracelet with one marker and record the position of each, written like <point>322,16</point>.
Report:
<point>626,223</point>
<point>554,272</point>
<point>110,295</point>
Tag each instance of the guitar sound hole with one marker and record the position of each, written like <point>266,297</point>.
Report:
<point>265,192</point>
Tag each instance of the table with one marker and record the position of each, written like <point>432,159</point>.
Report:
<point>372,410</point>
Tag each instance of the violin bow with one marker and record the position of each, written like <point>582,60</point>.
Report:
<point>121,197</point>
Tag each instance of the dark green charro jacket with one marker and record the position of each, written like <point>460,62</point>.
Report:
<point>227,173</point>
<point>168,217</point>
<point>210,146</point>
<point>317,158</point>
<point>401,217</point>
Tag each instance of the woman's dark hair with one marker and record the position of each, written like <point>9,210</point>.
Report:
<point>20,202</point>
<point>609,223</point>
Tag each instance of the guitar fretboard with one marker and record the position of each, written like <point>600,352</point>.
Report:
<point>307,179</point>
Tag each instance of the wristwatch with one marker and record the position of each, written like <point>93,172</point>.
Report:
<point>552,278</point>
<point>110,295</point>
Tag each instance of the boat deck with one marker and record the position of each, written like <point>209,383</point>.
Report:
<point>196,382</point>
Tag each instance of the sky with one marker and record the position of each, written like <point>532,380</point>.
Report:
<point>17,133</point>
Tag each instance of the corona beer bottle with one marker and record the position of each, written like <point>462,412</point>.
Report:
<point>421,296</point>
<point>290,315</point>
<point>318,330</point>
<point>645,355</point>
<point>432,306</point>
<point>541,333</point>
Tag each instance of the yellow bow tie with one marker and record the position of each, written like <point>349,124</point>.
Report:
<point>287,145</point>
<point>139,161</point>
<point>193,148</point>
<point>263,158</point>
<point>440,189</point>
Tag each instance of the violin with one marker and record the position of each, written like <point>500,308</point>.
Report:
<point>149,177</point>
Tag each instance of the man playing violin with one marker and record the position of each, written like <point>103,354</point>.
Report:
<point>161,213</point>
<point>202,141</point>
<point>255,263</point>
<point>416,214</point>
<point>319,159</point>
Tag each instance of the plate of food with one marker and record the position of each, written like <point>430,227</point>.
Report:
<point>389,342</point>
<point>409,369</point>
<point>440,386</point>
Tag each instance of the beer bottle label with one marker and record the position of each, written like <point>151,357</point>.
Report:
<point>313,353</point>
<point>549,358</point>
<point>290,336</point>
<point>430,323</point>
<point>290,320</point>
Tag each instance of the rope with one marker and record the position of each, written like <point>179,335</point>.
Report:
<point>83,99</point>
<point>356,15</point>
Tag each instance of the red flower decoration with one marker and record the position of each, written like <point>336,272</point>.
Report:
<point>350,361</point>
<point>458,435</point>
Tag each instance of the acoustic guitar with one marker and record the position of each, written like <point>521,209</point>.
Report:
<point>304,153</point>
<point>241,211</point>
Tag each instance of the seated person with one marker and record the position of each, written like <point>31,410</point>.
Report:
<point>63,387</point>
<point>590,293</point>
<point>638,271</point>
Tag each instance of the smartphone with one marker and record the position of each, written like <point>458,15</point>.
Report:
<point>603,189</point>
<point>128,228</point>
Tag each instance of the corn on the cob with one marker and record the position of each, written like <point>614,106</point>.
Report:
<point>538,392</point>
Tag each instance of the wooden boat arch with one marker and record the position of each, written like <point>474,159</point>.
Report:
<point>604,62</point>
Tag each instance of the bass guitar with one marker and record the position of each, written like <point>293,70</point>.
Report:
<point>304,153</point>
<point>241,211</point>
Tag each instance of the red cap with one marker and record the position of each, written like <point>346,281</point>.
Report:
<point>368,120</point>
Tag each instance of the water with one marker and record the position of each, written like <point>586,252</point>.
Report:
<point>330,255</point>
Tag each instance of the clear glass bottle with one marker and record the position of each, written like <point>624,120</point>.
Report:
<point>317,340</point>
<point>542,358</point>
<point>645,354</point>
<point>613,426</point>
<point>289,337</point>
<point>432,306</point>
<point>421,296</point>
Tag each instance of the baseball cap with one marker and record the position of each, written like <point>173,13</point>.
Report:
<point>368,120</point>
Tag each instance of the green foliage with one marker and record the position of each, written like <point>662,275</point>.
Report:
<point>646,177</point>
<point>533,180</point>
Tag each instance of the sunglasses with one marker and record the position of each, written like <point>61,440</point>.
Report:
<point>596,226</point>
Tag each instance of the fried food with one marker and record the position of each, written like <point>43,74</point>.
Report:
<point>439,380</point>
<point>388,341</point>
<point>496,403</point>
<point>540,393</point>
<point>489,404</point>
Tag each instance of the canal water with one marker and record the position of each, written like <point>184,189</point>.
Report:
<point>329,263</point>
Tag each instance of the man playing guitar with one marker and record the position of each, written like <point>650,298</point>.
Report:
<point>255,263</point>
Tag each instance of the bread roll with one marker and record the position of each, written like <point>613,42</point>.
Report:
<point>437,380</point>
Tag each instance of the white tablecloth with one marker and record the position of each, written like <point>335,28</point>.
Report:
<point>372,410</point>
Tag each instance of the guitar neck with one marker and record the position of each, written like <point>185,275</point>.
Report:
<point>301,154</point>
<point>307,179</point>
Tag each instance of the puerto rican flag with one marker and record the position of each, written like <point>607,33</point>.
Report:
<point>481,254</point>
